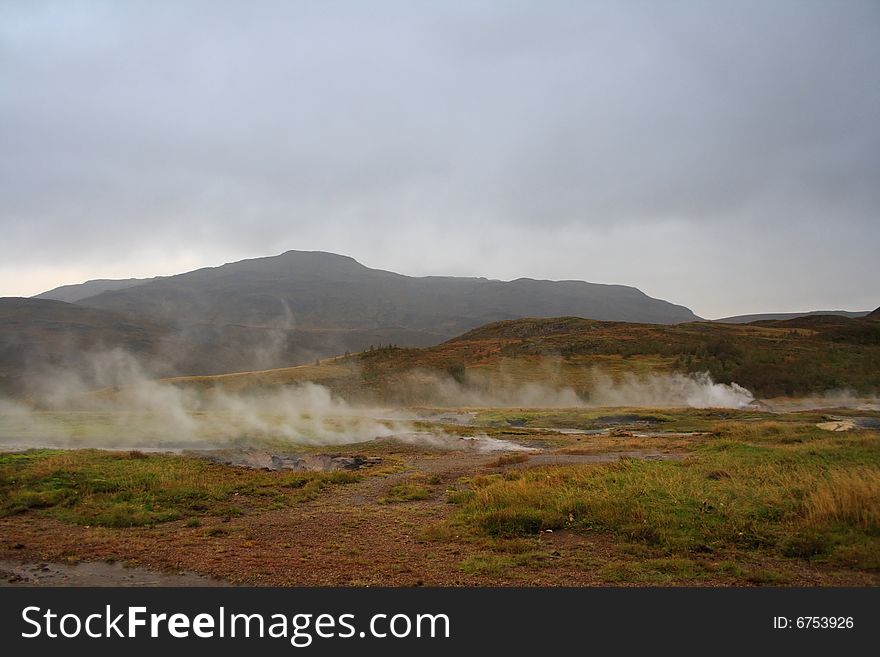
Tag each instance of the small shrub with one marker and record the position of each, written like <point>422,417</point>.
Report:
<point>718,474</point>
<point>513,522</point>
<point>508,459</point>
<point>806,545</point>
<point>406,492</point>
<point>864,555</point>
<point>644,534</point>
<point>459,496</point>
<point>457,372</point>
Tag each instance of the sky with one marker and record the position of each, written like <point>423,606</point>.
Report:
<point>720,155</point>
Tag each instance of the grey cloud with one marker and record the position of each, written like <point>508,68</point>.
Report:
<point>489,138</point>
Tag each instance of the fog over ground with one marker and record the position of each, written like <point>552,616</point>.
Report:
<point>120,405</point>
<point>722,155</point>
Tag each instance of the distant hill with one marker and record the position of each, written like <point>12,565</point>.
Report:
<point>77,292</point>
<point>39,334</point>
<point>792,357</point>
<point>317,290</point>
<point>746,319</point>
<point>42,322</point>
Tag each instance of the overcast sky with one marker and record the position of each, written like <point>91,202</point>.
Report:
<point>722,155</point>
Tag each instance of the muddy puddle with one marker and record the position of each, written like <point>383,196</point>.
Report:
<point>263,460</point>
<point>571,432</point>
<point>628,418</point>
<point>849,423</point>
<point>460,418</point>
<point>98,573</point>
<point>620,432</point>
<point>453,442</point>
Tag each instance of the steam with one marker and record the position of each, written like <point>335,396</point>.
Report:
<point>115,403</point>
<point>828,400</point>
<point>132,410</point>
<point>481,391</point>
<point>654,390</point>
<point>667,391</point>
<point>480,443</point>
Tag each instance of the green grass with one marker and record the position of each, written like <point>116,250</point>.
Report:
<point>666,570</point>
<point>406,492</point>
<point>793,491</point>
<point>499,564</point>
<point>119,489</point>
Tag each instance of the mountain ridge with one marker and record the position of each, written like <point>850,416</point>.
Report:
<point>316,289</point>
<point>763,317</point>
<point>74,292</point>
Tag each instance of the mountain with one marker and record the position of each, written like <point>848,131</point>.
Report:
<point>317,290</point>
<point>761,317</point>
<point>77,292</point>
<point>875,315</point>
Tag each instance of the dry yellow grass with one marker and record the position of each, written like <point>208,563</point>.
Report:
<point>851,496</point>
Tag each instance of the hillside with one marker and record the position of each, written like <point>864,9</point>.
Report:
<point>761,317</point>
<point>80,291</point>
<point>37,334</point>
<point>316,290</point>
<point>793,357</point>
<point>40,336</point>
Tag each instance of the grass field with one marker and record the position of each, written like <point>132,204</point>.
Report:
<point>785,489</point>
<point>128,489</point>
